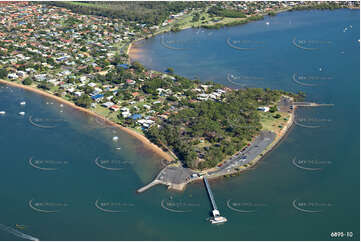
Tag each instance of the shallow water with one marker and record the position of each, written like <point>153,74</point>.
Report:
<point>265,195</point>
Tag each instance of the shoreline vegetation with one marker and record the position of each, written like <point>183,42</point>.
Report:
<point>129,131</point>
<point>149,85</point>
<point>234,21</point>
<point>280,136</point>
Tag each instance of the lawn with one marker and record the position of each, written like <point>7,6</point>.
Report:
<point>274,124</point>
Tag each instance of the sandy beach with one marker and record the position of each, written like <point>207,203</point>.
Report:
<point>140,137</point>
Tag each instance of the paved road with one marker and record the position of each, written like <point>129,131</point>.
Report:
<point>285,105</point>
<point>174,175</point>
<point>171,175</point>
<point>179,175</point>
<point>247,155</point>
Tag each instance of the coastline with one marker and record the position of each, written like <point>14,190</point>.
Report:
<point>280,136</point>
<point>189,27</point>
<point>136,135</point>
<point>129,49</point>
<point>212,26</point>
<point>278,139</point>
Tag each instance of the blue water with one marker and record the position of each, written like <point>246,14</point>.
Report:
<point>267,192</point>
<point>263,55</point>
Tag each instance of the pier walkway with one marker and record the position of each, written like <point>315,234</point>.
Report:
<point>217,218</point>
<point>210,194</point>
<point>146,187</point>
<point>310,104</point>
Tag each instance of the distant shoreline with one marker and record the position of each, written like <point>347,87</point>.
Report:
<point>131,45</point>
<point>136,135</point>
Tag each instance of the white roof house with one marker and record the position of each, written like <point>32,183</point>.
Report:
<point>92,84</point>
<point>97,90</point>
<point>78,93</point>
<point>146,123</point>
<point>12,76</point>
<point>71,89</point>
<point>108,104</point>
<point>264,109</point>
<point>203,97</point>
<point>126,114</point>
<point>146,106</point>
<point>83,78</point>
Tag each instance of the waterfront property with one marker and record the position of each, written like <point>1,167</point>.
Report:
<point>268,192</point>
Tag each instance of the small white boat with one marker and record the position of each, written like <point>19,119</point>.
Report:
<point>61,105</point>
<point>115,138</point>
<point>2,112</point>
<point>267,23</point>
<point>22,113</point>
<point>218,220</point>
<point>23,103</point>
<point>320,69</point>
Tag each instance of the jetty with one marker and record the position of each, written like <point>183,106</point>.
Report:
<point>146,187</point>
<point>310,104</point>
<point>217,218</point>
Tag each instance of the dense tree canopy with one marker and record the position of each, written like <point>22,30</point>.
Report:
<point>147,12</point>
<point>223,126</point>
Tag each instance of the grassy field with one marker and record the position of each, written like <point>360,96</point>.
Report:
<point>269,122</point>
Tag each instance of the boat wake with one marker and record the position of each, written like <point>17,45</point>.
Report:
<point>17,233</point>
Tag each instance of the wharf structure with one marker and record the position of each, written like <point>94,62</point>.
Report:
<point>217,218</point>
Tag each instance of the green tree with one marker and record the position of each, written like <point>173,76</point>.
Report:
<point>83,101</point>
<point>27,81</point>
<point>277,115</point>
<point>45,85</point>
<point>195,17</point>
<point>273,109</point>
<point>170,70</point>
<point>3,73</point>
<point>137,66</point>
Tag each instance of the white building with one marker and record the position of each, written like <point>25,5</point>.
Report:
<point>264,109</point>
